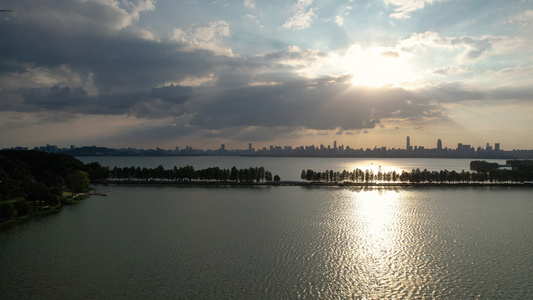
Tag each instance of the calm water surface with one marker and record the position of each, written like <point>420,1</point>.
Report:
<point>276,243</point>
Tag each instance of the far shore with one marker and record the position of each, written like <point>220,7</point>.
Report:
<point>314,184</point>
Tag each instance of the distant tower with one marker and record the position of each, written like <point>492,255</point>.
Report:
<point>249,146</point>
<point>223,147</point>
<point>439,145</point>
<point>497,147</point>
<point>408,144</point>
<point>335,145</point>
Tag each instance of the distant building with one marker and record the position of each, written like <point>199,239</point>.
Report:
<point>497,147</point>
<point>408,144</point>
<point>439,145</point>
<point>463,148</point>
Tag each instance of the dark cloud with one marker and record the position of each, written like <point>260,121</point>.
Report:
<point>88,38</point>
<point>55,98</point>
<point>173,93</point>
<point>76,100</point>
<point>161,102</point>
<point>257,113</point>
<point>319,105</point>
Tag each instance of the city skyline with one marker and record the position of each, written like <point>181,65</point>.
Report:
<point>490,151</point>
<point>146,73</point>
<point>254,148</point>
<point>251,149</point>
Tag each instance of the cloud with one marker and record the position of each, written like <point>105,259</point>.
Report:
<point>76,16</point>
<point>404,7</point>
<point>514,71</point>
<point>454,70</point>
<point>525,19</point>
<point>324,104</point>
<point>55,98</point>
<point>391,54</point>
<point>204,38</point>
<point>259,113</point>
<point>252,18</point>
<point>339,20</point>
<point>172,93</point>
<point>302,18</point>
<point>103,59</point>
<point>471,47</point>
<point>249,4</point>
<point>77,101</point>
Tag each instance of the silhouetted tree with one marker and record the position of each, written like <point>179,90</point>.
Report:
<point>78,181</point>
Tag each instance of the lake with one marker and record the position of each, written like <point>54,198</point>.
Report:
<point>269,242</point>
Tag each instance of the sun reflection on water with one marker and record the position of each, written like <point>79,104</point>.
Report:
<point>376,209</point>
<point>379,251</point>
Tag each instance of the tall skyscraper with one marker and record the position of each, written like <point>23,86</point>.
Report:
<point>408,144</point>
<point>335,145</point>
<point>439,144</point>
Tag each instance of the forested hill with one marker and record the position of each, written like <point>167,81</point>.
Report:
<point>34,180</point>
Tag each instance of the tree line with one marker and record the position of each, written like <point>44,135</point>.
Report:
<point>188,173</point>
<point>419,176</point>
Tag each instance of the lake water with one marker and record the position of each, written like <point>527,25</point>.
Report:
<point>272,242</point>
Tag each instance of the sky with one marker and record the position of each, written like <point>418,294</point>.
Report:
<point>364,73</point>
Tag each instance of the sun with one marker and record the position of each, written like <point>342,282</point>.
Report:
<point>376,67</point>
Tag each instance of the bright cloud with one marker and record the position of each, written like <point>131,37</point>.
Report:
<point>207,37</point>
<point>524,19</point>
<point>249,4</point>
<point>470,47</point>
<point>404,7</point>
<point>339,20</point>
<point>302,18</point>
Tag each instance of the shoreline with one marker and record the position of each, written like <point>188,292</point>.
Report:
<point>314,184</point>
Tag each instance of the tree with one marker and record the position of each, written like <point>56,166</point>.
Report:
<point>309,175</point>
<point>234,174</point>
<point>78,181</point>
<point>277,178</point>
<point>268,176</point>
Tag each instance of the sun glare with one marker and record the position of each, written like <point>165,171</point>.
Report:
<point>375,166</point>
<point>375,66</point>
